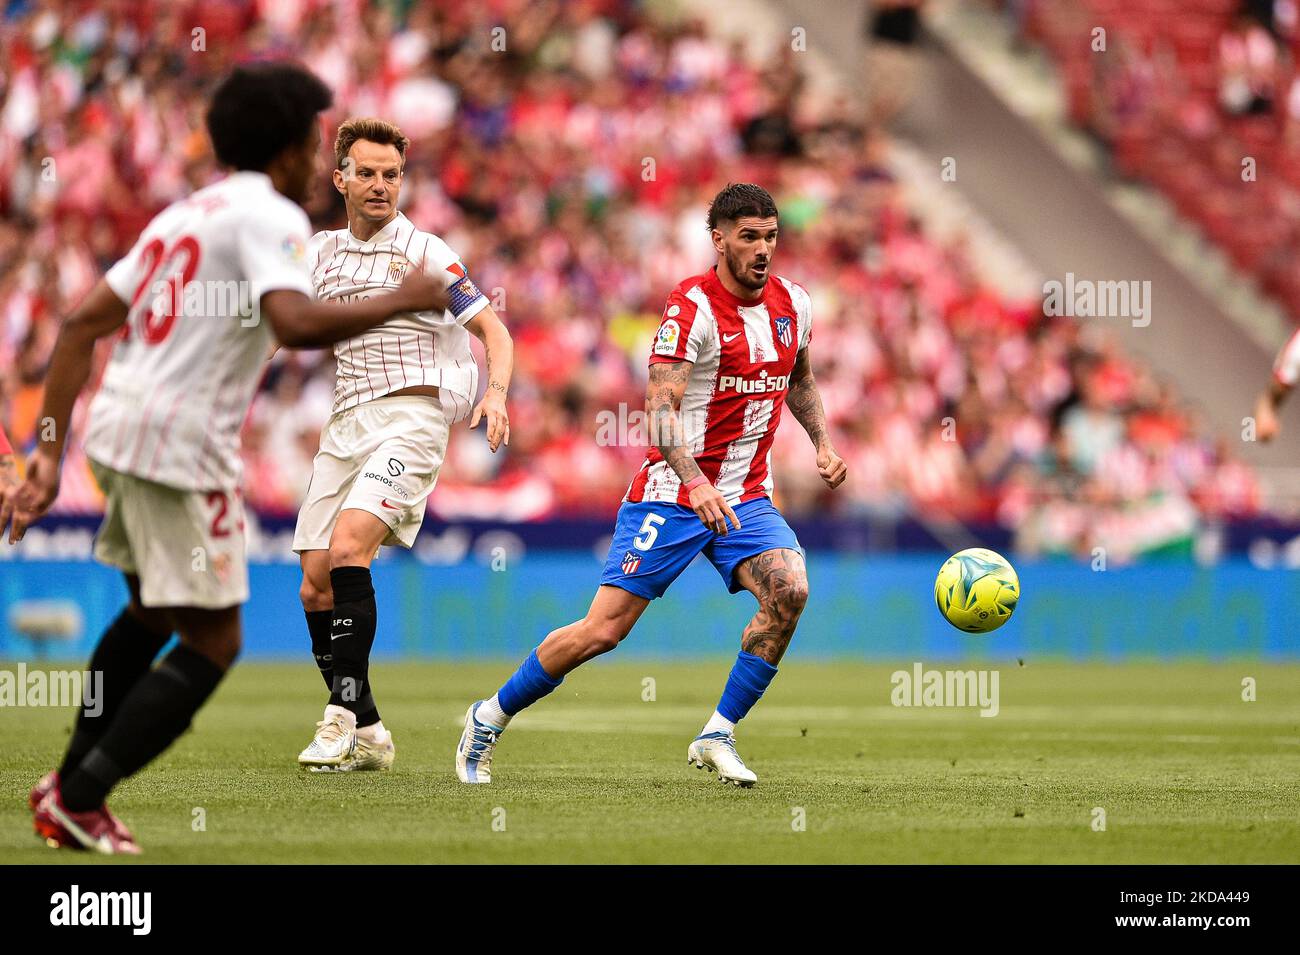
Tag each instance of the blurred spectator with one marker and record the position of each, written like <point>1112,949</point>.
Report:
<point>1248,59</point>
<point>893,28</point>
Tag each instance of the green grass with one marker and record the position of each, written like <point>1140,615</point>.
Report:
<point>1185,770</point>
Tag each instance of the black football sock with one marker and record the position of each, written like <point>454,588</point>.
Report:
<point>158,709</point>
<point>124,654</point>
<point>351,635</point>
<point>367,712</point>
<point>318,625</point>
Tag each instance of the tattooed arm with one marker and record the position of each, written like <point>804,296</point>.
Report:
<point>500,350</point>
<point>805,403</point>
<point>663,398</point>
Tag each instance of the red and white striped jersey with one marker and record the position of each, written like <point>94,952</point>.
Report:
<point>1286,369</point>
<point>189,358</point>
<point>409,349</point>
<point>742,354</point>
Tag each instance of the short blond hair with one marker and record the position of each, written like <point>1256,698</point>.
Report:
<point>372,130</point>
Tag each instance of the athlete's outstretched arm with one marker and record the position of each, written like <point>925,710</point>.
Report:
<point>300,321</point>
<point>499,348</point>
<point>805,403</point>
<point>1266,407</point>
<point>663,399</point>
<point>100,313</point>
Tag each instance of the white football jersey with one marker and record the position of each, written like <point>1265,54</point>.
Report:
<point>412,348</point>
<point>1286,367</point>
<point>193,350</point>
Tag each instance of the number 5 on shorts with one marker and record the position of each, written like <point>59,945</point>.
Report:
<point>649,531</point>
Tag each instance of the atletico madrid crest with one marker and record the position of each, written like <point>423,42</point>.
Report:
<point>783,333</point>
<point>631,562</point>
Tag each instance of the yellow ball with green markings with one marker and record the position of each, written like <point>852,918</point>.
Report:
<point>977,590</point>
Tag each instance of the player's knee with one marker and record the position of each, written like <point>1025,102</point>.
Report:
<point>602,636</point>
<point>788,603</point>
<point>601,642</point>
<point>222,649</point>
<point>227,652</point>
<point>153,620</point>
<point>799,595</point>
<point>347,552</point>
<point>313,598</point>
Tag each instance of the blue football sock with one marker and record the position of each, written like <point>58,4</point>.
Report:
<point>528,685</point>
<point>749,678</point>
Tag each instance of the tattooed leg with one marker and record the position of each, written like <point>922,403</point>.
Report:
<point>778,579</point>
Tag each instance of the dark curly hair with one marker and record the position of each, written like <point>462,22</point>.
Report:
<point>740,199</point>
<point>262,109</point>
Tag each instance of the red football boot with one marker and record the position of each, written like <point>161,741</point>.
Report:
<point>97,830</point>
<point>47,783</point>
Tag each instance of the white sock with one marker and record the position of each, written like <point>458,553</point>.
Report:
<point>718,724</point>
<point>349,718</point>
<point>490,712</point>
<point>372,733</point>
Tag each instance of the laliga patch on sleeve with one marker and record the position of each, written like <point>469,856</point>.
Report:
<point>293,249</point>
<point>666,340</point>
<point>464,293</point>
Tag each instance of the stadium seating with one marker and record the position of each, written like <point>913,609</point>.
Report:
<point>1173,102</point>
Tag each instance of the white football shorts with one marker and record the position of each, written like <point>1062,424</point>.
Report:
<point>187,547</point>
<point>383,457</point>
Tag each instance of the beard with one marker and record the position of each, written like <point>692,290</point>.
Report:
<point>740,272</point>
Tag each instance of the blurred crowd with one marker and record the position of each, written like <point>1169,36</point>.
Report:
<point>567,151</point>
<point>1200,98</point>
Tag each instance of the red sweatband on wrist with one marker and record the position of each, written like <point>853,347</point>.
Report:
<point>695,482</point>
<point>4,443</point>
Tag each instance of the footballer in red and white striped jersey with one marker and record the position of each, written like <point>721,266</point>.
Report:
<point>731,354</point>
<point>742,354</point>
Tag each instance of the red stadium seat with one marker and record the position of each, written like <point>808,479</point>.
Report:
<point>1183,143</point>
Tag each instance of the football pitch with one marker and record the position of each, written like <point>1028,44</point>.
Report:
<point>1182,768</point>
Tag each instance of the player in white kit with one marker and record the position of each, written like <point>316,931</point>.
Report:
<point>194,307</point>
<point>400,387</point>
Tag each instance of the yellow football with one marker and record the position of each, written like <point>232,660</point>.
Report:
<point>977,590</point>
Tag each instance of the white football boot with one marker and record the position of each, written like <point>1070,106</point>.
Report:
<point>373,753</point>
<point>335,742</point>
<point>474,751</point>
<point>716,752</point>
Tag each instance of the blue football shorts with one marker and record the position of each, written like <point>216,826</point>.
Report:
<point>654,541</point>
